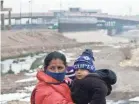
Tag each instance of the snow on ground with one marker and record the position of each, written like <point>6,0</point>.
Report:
<point>22,96</point>
<point>17,96</point>
<point>119,102</point>
<point>130,101</point>
<point>31,74</point>
<point>17,67</point>
<point>134,99</point>
<point>26,64</point>
<point>26,97</point>
<point>96,51</point>
<point>30,88</point>
<point>13,96</point>
<point>26,80</point>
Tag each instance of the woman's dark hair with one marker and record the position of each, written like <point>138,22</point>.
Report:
<point>54,55</point>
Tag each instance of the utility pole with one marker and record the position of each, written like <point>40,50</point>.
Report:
<point>20,12</point>
<point>31,10</point>
<point>2,17</point>
<point>60,7</point>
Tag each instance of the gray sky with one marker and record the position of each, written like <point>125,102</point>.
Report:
<point>116,7</point>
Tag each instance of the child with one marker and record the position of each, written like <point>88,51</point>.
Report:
<point>70,71</point>
<point>88,86</point>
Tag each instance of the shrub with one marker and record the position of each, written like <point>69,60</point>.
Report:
<point>10,71</point>
<point>127,53</point>
<point>37,63</point>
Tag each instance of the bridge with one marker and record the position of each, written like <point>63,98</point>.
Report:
<point>114,24</point>
<point>51,15</point>
<point>30,15</point>
<point>104,21</point>
<point>110,22</point>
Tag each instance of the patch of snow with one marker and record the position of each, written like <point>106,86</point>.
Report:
<point>17,67</point>
<point>96,51</point>
<point>114,46</point>
<point>13,96</point>
<point>30,88</point>
<point>26,99</point>
<point>134,99</point>
<point>27,80</point>
<point>31,74</point>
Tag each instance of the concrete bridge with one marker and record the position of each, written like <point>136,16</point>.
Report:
<point>114,24</point>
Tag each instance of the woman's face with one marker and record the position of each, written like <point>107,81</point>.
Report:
<point>56,65</point>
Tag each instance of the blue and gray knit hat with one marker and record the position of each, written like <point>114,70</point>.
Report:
<point>85,61</point>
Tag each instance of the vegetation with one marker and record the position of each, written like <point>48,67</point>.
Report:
<point>10,72</point>
<point>127,53</point>
<point>37,63</point>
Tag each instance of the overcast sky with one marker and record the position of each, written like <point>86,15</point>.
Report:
<point>116,7</point>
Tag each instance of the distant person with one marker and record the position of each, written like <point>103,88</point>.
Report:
<point>91,86</point>
<point>51,88</point>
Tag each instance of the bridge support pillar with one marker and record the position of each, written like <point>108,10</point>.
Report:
<point>9,20</point>
<point>34,21</point>
<point>119,28</point>
<point>111,31</point>
<point>115,29</point>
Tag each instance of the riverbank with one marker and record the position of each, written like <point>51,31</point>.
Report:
<point>23,42</point>
<point>107,55</point>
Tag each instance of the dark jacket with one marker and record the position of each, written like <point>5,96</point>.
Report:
<point>91,89</point>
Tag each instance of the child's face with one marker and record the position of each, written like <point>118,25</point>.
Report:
<point>81,73</point>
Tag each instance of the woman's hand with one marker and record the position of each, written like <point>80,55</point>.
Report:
<point>68,81</point>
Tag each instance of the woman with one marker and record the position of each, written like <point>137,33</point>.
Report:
<point>51,88</point>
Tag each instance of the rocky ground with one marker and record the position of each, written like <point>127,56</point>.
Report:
<point>109,56</point>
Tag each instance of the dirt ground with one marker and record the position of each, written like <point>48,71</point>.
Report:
<point>108,57</point>
<point>19,42</point>
<point>127,85</point>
